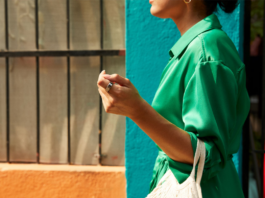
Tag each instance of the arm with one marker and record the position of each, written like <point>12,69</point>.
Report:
<point>124,99</point>
<point>174,141</point>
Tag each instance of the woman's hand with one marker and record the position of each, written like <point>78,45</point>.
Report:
<point>122,98</point>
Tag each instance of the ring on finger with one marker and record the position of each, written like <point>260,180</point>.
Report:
<point>109,86</point>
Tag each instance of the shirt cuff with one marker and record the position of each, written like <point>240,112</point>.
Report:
<point>212,161</point>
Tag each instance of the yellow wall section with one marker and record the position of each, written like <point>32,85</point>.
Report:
<point>56,181</point>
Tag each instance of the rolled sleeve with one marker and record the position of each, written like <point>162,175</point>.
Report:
<point>209,113</point>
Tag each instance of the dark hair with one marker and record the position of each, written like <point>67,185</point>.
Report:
<point>227,6</point>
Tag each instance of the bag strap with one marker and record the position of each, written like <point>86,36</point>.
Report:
<point>200,168</point>
<point>196,158</point>
<point>201,162</point>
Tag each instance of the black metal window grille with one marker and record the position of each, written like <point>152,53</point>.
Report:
<point>53,53</point>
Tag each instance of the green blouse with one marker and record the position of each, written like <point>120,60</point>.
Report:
<point>202,90</point>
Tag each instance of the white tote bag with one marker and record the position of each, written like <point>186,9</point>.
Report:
<point>168,186</point>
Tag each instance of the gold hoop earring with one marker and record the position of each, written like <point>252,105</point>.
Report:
<point>187,1</point>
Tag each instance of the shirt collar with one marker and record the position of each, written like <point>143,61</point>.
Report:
<point>209,22</point>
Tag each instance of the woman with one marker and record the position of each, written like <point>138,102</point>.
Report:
<point>202,94</point>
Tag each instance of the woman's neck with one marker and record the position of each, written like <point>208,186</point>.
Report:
<point>186,21</point>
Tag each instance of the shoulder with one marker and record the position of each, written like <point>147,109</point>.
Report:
<point>213,49</point>
<point>214,45</point>
<point>217,45</point>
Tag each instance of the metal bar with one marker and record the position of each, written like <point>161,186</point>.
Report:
<point>68,22</point>
<point>101,25</point>
<point>37,24</point>
<point>6,24</point>
<point>246,44</point>
<point>7,110</point>
<point>101,68</point>
<point>7,83</point>
<point>63,53</point>
<point>263,109</point>
<point>100,118</point>
<point>20,162</point>
<point>38,108</point>
<point>68,82</point>
<point>37,79</point>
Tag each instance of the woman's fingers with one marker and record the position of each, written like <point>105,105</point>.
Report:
<point>102,82</point>
<point>118,79</point>
<point>105,99</point>
<point>116,88</point>
<point>109,101</point>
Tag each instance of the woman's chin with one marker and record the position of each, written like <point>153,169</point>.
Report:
<point>155,12</point>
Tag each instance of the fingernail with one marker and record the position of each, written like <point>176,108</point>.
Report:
<point>102,71</point>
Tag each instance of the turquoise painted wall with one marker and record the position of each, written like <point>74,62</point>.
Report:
<point>148,40</point>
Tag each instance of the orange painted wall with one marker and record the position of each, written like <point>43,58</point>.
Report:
<point>61,181</point>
